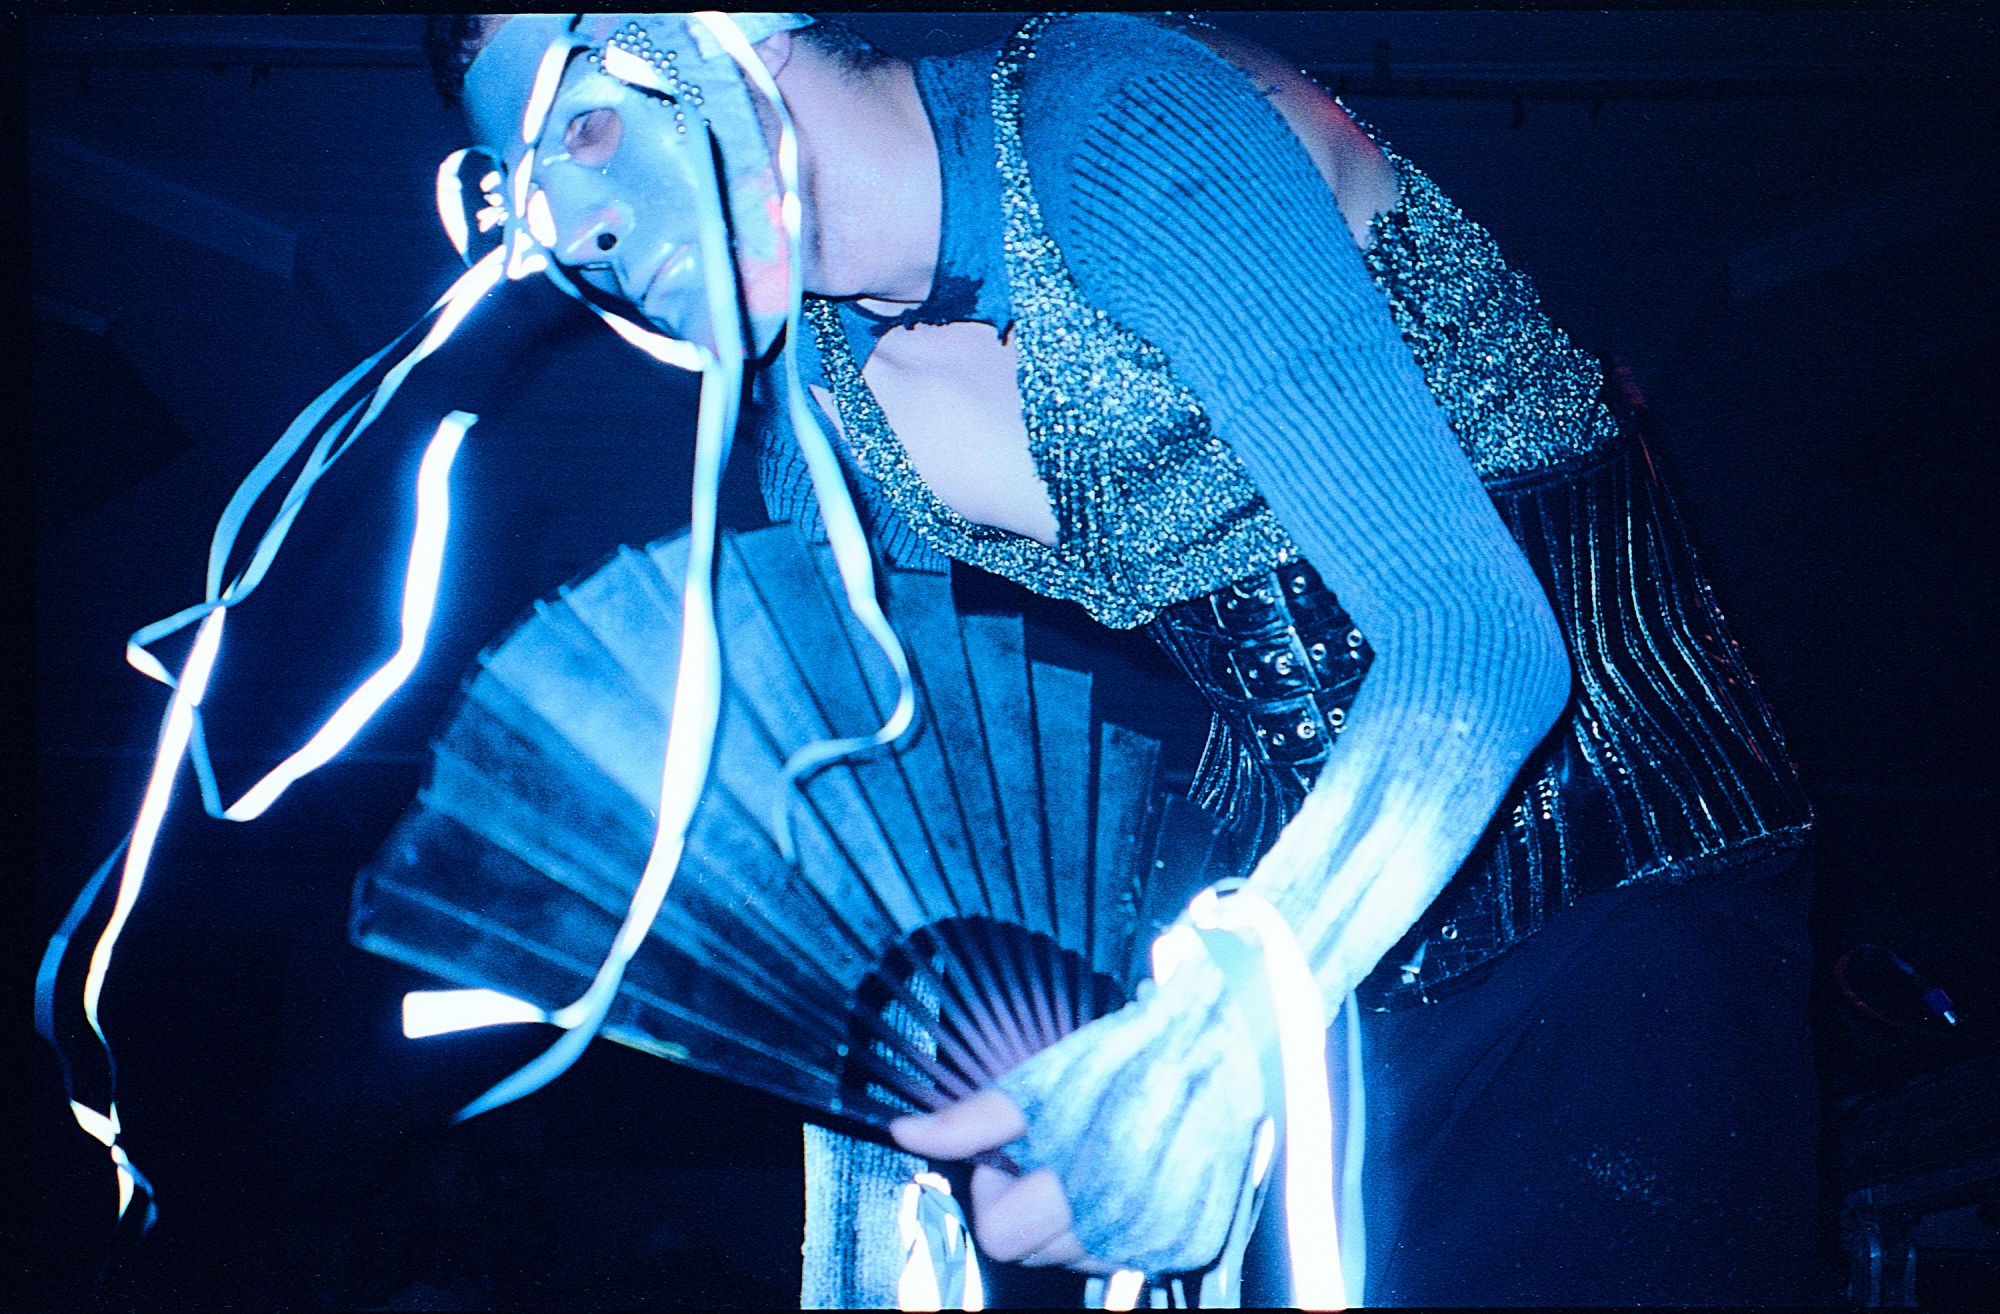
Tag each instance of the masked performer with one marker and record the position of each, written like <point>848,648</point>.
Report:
<point>1142,321</point>
<point>1134,318</point>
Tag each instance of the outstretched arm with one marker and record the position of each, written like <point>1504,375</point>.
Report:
<point>1190,213</point>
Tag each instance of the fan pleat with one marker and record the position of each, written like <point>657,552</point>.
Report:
<point>1062,704</point>
<point>1128,764</point>
<point>996,652</point>
<point>575,685</point>
<point>622,606</point>
<point>477,932</point>
<point>501,769</point>
<point>962,799</point>
<point>631,611</point>
<point>560,833</point>
<point>913,778</point>
<point>863,810</point>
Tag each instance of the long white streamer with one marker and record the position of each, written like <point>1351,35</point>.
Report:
<point>419,605</point>
<point>180,734</point>
<point>844,534</point>
<point>1313,1238</point>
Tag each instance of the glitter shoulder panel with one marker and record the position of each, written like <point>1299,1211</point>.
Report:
<point>1521,396</point>
<point>1151,506</point>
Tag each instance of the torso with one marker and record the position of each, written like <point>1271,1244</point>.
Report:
<point>951,392</point>
<point>1668,766</point>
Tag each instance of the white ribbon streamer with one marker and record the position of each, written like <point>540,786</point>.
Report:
<point>1313,1237</point>
<point>940,1265</point>
<point>844,534</point>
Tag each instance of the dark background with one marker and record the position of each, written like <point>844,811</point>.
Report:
<point>1780,221</point>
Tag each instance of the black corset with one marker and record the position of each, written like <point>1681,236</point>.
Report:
<point>1666,765</point>
<point>1279,661</point>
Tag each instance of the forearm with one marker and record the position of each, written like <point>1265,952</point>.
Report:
<point>1470,668</point>
<point>1392,819</point>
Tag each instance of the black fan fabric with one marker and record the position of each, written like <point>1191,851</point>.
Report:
<point>961,899</point>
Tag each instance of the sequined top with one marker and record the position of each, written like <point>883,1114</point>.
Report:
<point>1151,507</point>
<point>1520,395</point>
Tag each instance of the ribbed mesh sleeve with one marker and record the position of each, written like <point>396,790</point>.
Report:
<point>1188,211</point>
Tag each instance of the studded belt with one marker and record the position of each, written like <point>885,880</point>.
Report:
<point>1280,661</point>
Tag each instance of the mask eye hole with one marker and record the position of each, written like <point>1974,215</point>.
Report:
<point>592,137</point>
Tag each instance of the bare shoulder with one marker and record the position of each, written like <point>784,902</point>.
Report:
<point>1354,167</point>
<point>1355,170</point>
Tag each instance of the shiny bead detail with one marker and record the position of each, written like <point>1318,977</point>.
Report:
<point>1275,722</point>
<point>635,40</point>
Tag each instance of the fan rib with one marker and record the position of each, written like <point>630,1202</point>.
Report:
<point>976,1005</point>
<point>951,1083</point>
<point>1123,845</point>
<point>1062,705</point>
<point>922,609</point>
<point>979,1045</point>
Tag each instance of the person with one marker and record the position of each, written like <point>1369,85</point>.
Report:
<point>1136,317</point>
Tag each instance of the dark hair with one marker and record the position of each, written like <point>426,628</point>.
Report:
<point>453,41</point>
<point>848,47</point>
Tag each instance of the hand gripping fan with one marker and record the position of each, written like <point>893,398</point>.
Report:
<point>960,900</point>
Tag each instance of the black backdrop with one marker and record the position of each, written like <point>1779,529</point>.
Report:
<point>1778,221</point>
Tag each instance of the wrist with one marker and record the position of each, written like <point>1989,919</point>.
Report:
<point>1148,1117</point>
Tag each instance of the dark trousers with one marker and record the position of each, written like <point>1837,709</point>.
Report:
<point>1624,1112</point>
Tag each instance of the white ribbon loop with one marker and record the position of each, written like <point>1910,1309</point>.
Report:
<point>940,1265</point>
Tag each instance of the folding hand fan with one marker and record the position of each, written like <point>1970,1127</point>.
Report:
<point>961,899</point>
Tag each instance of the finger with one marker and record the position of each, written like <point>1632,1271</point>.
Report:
<point>987,1184</point>
<point>979,1122</point>
<point>1065,1250</point>
<point>1022,1216</point>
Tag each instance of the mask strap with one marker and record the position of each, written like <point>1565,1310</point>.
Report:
<point>844,533</point>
